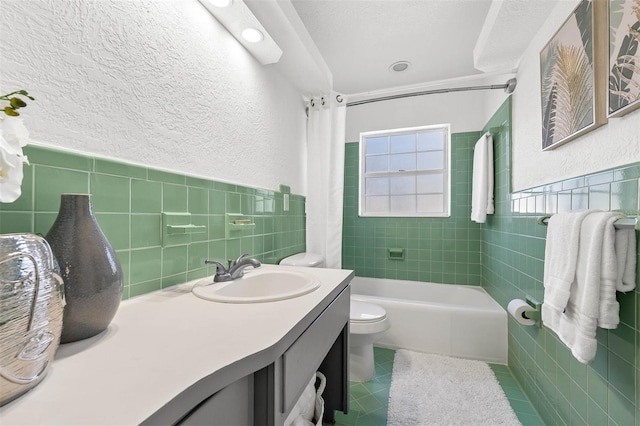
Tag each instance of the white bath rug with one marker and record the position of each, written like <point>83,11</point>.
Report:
<point>431,389</point>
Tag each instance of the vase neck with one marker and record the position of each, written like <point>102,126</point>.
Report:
<point>78,203</point>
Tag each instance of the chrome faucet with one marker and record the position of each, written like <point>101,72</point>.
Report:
<point>235,269</point>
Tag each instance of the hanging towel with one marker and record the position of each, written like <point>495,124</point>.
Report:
<point>626,253</point>
<point>609,307</point>
<point>482,187</point>
<point>592,301</point>
<point>560,259</point>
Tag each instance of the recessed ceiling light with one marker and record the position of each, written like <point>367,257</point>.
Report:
<point>399,66</point>
<point>221,3</point>
<point>252,35</point>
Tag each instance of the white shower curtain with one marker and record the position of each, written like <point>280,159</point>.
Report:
<point>325,177</point>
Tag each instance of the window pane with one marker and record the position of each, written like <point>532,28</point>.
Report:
<point>377,186</point>
<point>430,183</point>
<point>403,185</point>
<point>378,145</point>
<point>377,204</point>
<point>377,163</point>
<point>433,160</point>
<point>403,143</point>
<point>431,203</point>
<point>405,172</point>
<point>402,162</point>
<point>403,203</point>
<point>430,141</point>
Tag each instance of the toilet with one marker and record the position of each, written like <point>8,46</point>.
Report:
<point>366,323</point>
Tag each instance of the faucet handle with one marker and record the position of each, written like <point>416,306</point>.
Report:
<point>220,269</point>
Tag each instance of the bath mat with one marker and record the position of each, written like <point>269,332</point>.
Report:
<point>429,389</point>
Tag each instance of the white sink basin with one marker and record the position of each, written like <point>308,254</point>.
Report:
<point>257,286</point>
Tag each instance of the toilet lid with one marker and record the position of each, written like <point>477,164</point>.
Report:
<point>366,312</point>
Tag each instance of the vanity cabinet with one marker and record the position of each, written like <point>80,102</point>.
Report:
<point>267,395</point>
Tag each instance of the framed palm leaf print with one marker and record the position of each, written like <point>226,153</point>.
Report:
<point>572,76</point>
<point>624,57</point>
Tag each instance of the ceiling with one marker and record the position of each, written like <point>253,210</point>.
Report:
<point>445,41</point>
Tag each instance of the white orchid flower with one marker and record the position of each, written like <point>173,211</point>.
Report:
<point>13,136</point>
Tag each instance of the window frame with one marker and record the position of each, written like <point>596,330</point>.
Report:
<point>446,171</point>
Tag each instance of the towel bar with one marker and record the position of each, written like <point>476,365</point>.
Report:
<point>624,223</point>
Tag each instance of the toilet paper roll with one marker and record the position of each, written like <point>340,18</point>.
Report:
<point>518,308</point>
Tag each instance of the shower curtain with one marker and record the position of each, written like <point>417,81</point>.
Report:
<point>325,177</point>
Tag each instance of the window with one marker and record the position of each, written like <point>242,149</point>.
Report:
<point>405,172</point>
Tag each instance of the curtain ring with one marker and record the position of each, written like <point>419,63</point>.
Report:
<point>339,99</point>
<point>322,101</point>
<point>313,103</point>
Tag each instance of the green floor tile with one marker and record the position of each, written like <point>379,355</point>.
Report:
<point>370,403</point>
<point>347,419</point>
<point>358,390</point>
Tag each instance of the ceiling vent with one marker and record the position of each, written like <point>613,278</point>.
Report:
<point>399,66</point>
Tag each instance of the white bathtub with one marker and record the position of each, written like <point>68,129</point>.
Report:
<point>456,320</point>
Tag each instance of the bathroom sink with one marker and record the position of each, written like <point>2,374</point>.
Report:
<point>256,287</point>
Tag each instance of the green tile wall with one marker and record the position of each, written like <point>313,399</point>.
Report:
<point>128,201</point>
<point>563,390</point>
<point>442,250</point>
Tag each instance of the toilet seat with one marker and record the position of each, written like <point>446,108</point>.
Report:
<point>310,260</point>
<point>363,312</point>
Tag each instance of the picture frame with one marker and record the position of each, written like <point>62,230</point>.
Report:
<point>573,73</point>
<point>624,57</point>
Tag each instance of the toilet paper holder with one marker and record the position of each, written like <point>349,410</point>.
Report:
<point>536,313</point>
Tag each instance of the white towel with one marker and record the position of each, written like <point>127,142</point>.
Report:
<point>561,256</point>
<point>626,253</point>
<point>592,296</point>
<point>482,186</point>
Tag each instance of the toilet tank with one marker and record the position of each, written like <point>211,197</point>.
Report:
<point>312,260</point>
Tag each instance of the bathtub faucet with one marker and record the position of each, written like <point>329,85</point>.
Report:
<point>234,270</point>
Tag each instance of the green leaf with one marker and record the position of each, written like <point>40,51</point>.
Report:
<point>622,71</point>
<point>11,112</point>
<point>549,118</point>
<point>17,103</point>
<point>583,15</point>
<point>616,13</point>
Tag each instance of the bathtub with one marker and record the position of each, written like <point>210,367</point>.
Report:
<point>455,320</point>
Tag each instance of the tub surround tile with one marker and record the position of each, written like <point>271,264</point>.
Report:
<point>436,249</point>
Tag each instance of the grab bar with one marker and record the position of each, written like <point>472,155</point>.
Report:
<point>623,223</point>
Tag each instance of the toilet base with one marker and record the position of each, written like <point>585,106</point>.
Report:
<point>361,363</point>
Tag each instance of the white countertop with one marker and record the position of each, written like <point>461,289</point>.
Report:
<point>157,346</point>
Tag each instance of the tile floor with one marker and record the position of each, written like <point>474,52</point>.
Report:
<point>368,404</point>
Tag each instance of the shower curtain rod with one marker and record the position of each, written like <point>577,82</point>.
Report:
<point>508,87</point>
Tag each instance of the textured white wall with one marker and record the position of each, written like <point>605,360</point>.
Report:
<point>466,111</point>
<point>614,144</point>
<point>156,82</point>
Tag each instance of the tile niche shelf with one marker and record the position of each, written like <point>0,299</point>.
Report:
<point>236,224</point>
<point>177,228</point>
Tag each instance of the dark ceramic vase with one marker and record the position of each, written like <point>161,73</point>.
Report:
<point>89,267</point>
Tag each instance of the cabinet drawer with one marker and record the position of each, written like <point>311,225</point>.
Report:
<point>304,356</point>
